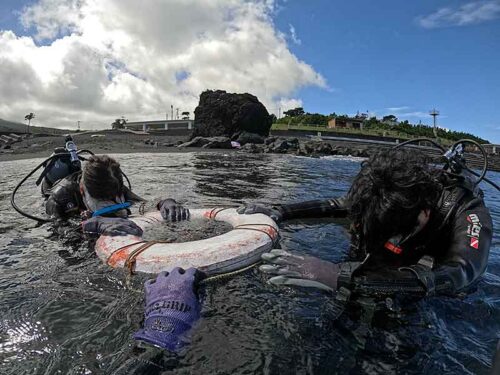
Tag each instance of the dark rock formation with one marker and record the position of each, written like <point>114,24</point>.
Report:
<point>195,142</point>
<point>246,137</point>
<point>281,145</point>
<point>218,142</point>
<point>252,148</point>
<point>223,114</point>
<point>213,142</point>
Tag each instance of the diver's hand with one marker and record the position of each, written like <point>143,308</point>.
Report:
<point>299,270</point>
<point>111,226</point>
<point>172,307</point>
<point>172,211</point>
<point>261,209</point>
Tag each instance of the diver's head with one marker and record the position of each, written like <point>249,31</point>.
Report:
<point>393,196</point>
<point>102,182</point>
<point>102,177</point>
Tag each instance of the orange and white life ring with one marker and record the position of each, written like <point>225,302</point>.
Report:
<point>251,236</point>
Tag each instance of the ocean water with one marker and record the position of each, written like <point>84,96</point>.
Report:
<point>64,312</point>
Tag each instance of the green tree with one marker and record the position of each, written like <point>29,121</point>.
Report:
<point>29,117</point>
<point>294,112</point>
<point>119,123</point>
<point>389,118</point>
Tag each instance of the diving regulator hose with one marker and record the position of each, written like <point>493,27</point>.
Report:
<point>453,152</point>
<point>50,158</point>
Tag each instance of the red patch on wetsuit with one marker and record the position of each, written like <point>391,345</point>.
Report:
<point>474,242</point>
<point>391,247</point>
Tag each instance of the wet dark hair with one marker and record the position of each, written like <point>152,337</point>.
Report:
<point>389,192</point>
<point>102,177</point>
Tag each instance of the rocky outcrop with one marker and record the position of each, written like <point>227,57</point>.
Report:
<point>224,114</point>
<point>246,137</point>
<point>293,146</point>
<point>195,142</point>
<point>218,142</point>
<point>212,142</point>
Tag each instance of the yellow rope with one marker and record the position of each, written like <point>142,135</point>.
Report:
<point>227,274</point>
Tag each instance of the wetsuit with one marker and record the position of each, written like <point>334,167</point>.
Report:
<point>445,258</point>
<point>65,199</point>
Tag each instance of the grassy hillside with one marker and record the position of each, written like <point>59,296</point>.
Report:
<point>369,132</point>
<point>18,127</point>
<point>373,126</point>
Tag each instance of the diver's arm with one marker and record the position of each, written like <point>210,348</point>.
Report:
<point>335,207</point>
<point>464,262</point>
<point>64,200</point>
<point>467,256</point>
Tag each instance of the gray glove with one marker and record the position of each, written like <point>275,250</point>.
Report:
<point>111,226</point>
<point>172,211</point>
<point>272,212</point>
<point>300,270</point>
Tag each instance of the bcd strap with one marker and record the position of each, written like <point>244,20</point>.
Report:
<point>423,272</point>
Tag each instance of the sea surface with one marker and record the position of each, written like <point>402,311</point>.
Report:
<point>62,311</point>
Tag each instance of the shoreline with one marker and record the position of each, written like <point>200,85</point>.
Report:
<point>112,142</point>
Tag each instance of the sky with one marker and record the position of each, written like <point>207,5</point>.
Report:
<point>96,60</point>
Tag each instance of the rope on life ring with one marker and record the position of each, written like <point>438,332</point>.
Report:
<point>234,251</point>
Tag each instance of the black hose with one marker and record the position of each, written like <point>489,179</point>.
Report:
<point>85,151</point>
<point>485,157</point>
<point>484,178</point>
<point>481,176</point>
<point>128,181</point>
<point>419,140</point>
<point>13,195</point>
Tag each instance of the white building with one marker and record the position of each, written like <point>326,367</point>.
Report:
<point>160,125</point>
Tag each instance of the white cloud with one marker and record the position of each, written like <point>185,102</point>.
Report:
<point>398,109</point>
<point>293,35</point>
<point>103,59</point>
<point>468,14</point>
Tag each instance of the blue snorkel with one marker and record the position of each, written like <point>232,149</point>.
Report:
<point>111,209</point>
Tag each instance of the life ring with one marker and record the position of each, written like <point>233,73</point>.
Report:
<point>251,236</point>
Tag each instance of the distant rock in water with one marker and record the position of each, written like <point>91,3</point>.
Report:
<point>224,114</point>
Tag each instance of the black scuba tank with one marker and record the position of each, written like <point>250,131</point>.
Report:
<point>60,167</point>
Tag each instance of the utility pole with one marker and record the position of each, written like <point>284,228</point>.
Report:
<point>177,113</point>
<point>78,125</point>
<point>279,112</point>
<point>171,111</point>
<point>434,113</point>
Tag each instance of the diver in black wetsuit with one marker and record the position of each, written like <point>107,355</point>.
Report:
<point>97,193</point>
<point>416,231</point>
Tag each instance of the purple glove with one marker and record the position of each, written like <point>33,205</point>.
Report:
<point>172,308</point>
<point>172,211</point>
<point>112,226</point>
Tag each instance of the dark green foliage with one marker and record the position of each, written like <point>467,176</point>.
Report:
<point>299,111</point>
<point>389,118</point>
<point>119,123</point>
<point>306,119</point>
<point>404,127</point>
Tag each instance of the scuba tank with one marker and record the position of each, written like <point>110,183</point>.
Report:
<point>59,167</point>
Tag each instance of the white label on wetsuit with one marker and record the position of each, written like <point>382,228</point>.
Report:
<point>473,230</point>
